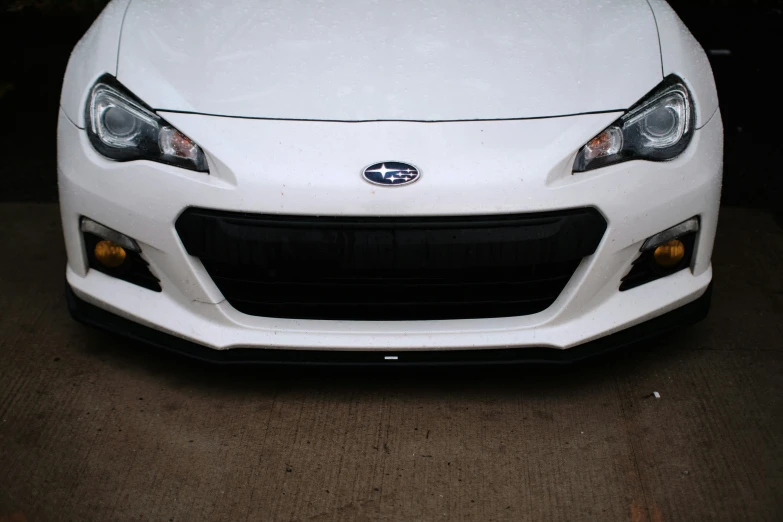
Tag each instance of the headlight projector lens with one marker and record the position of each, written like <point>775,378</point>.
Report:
<point>119,122</point>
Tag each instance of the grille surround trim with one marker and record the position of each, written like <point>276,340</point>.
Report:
<point>449,264</point>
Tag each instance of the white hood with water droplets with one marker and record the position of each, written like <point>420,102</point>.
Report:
<point>386,60</point>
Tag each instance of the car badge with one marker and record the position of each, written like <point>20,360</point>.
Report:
<point>391,173</point>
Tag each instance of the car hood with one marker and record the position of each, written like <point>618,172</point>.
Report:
<point>359,60</point>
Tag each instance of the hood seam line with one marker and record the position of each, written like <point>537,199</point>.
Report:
<point>658,34</point>
<point>119,40</point>
<point>381,120</point>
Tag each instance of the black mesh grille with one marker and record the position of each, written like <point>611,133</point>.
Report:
<point>390,268</point>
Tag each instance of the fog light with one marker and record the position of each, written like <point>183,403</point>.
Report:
<point>109,254</point>
<point>670,253</point>
<point>663,254</point>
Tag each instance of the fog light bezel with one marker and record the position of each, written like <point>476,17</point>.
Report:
<point>675,232</point>
<point>645,268</point>
<point>134,269</point>
<point>104,232</point>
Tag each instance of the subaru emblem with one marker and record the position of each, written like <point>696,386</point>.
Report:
<point>391,173</point>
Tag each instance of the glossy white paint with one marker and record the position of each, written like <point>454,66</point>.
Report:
<point>480,167</point>
<point>682,55</point>
<point>143,200</point>
<point>410,59</point>
<point>94,56</point>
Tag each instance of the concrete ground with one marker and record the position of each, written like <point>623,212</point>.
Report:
<point>94,427</point>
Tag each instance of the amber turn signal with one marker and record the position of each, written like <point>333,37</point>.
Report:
<point>670,253</point>
<point>109,254</point>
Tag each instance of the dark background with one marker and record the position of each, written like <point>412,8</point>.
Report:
<point>742,38</point>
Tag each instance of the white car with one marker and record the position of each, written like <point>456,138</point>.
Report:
<point>389,182</point>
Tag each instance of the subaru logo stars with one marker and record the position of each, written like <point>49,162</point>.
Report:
<point>391,173</point>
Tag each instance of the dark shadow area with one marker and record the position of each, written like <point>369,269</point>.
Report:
<point>743,41</point>
<point>34,50</point>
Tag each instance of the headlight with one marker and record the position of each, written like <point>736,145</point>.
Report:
<point>123,128</point>
<point>658,128</point>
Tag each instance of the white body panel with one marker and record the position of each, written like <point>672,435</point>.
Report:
<point>409,60</point>
<point>495,62</point>
<point>144,199</point>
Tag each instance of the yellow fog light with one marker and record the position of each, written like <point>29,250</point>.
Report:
<point>110,254</point>
<point>670,253</point>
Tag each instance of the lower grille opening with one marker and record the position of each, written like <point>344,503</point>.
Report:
<point>390,268</point>
<point>371,297</point>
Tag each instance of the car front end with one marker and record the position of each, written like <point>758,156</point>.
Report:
<point>353,220</point>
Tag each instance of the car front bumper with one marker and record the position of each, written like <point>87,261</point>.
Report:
<point>525,169</point>
<point>91,315</point>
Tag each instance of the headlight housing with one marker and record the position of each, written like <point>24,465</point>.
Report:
<point>658,128</point>
<point>123,128</point>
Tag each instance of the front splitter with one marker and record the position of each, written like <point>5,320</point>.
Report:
<point>93,316</point>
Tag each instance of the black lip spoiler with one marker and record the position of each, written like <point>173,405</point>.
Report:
<point>93,316</point>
